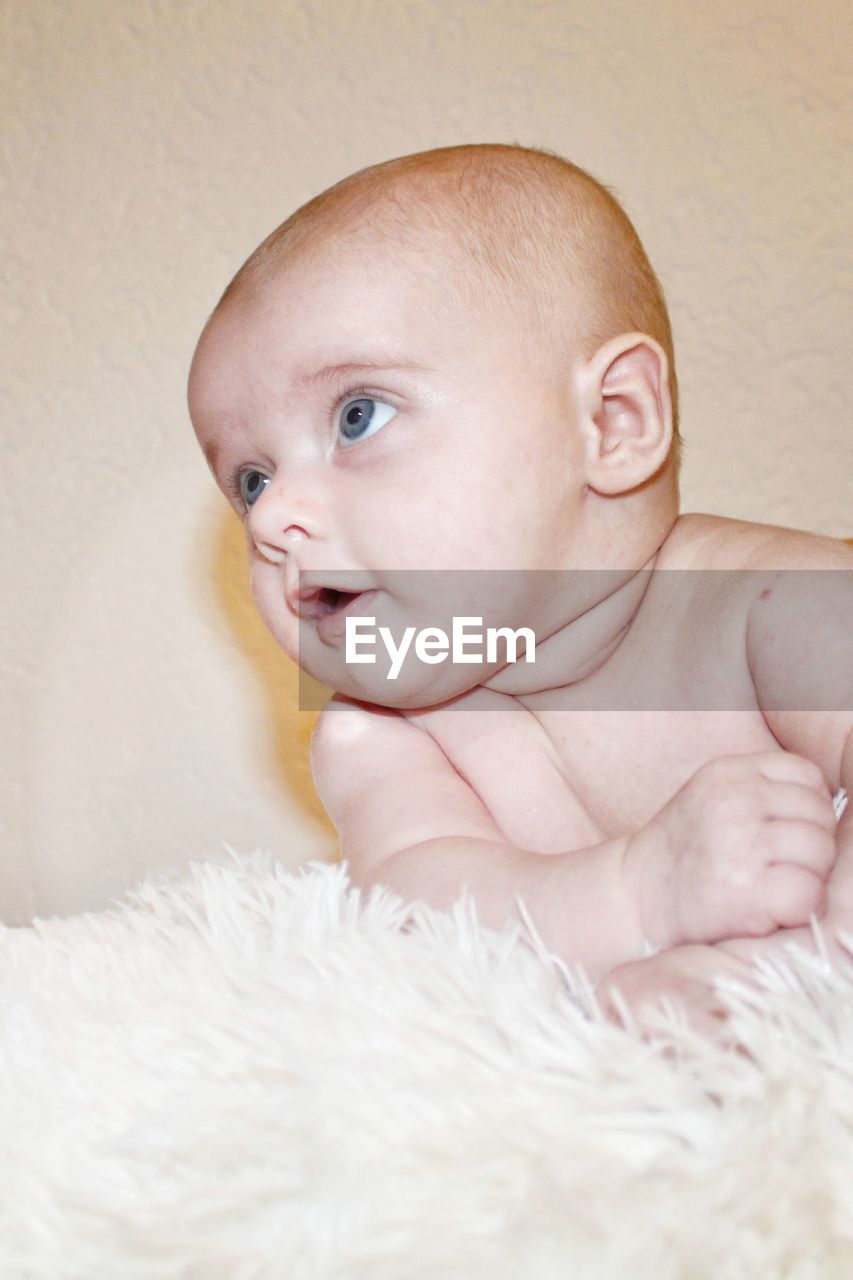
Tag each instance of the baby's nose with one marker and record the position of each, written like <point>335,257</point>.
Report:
<point>280,520</point>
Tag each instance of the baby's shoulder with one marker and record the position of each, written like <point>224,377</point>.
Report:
<point>699,541</point>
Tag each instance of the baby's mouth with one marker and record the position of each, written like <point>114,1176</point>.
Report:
<point>331,600</point>
<point>318,602</point>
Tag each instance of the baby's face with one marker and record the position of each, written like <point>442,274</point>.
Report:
<point>362,421</point>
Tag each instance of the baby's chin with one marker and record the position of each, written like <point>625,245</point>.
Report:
<point>411,690</point>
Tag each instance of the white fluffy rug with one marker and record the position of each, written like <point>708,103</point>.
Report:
<point>248,1074</point>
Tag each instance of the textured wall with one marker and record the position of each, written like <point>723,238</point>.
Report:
<point>147,146</point>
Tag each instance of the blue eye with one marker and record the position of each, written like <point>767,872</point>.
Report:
<point>252,485</point>
<point>363,417</point>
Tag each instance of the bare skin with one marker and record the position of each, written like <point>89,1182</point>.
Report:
<point>705,835</point>
<point>638,814</point>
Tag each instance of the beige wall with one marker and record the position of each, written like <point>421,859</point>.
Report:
<point>147,147</point>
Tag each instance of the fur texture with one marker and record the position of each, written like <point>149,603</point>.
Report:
<point>242,1073</point>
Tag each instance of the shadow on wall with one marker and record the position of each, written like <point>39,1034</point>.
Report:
<point>278,676</point>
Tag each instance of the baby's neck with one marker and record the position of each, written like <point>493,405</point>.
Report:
<point>583,643</point>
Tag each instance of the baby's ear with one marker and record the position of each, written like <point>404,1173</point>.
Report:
<point>626,412</point>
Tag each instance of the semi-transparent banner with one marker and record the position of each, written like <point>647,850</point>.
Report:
<point>591,640</point>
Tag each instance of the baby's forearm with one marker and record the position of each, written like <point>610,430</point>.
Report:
<point>579,902</point>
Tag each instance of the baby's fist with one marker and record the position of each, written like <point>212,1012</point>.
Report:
<point>744,848</point>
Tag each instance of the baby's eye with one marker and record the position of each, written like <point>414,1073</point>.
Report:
<point>252,485</point>
<point>363,417</point>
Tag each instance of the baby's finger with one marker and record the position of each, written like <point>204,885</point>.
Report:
<point>793,800</point>
<point>807,844</point>
<point>792,894</point>
<point>785,766</point>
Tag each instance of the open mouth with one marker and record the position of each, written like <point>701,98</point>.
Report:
<point>330,600</point>
<point>313,603</point>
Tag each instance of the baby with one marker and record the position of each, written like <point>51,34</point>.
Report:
<point>445,388</point>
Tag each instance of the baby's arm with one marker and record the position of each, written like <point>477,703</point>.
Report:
<point>801,660</point>
<point>799,647</point>
<point>408,820</point>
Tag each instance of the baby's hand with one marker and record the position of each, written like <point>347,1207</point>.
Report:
<point>683,976</point>
<point>744,848</point>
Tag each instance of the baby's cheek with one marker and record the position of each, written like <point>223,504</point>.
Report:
<point>268,595</point>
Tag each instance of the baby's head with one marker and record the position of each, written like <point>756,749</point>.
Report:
<point>456,360</point>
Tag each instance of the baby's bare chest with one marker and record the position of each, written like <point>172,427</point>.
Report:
<point>577,777</point>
